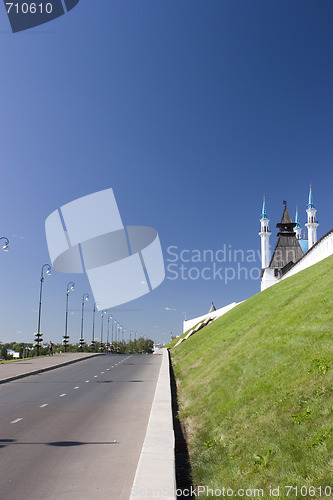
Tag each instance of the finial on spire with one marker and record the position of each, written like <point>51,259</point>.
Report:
<point>264,212</point>
<point>310,204</point>
<point>285,203</point>
<point>297,218</point>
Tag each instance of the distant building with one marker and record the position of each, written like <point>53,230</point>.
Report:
<point>212,308</point>
<point>12,353</point>
<point>292,253</point>
<point>213,313</point>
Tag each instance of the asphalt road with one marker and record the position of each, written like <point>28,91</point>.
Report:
<point>76,433</point>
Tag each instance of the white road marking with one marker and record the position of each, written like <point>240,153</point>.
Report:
<point>43,406</point>
<point>108,369</point>
<point>62,395</point>
<point>17,420</point>
<point>77,387</point>
<point>102,372</point>
<point>95,376</point>
<point>87,381</point>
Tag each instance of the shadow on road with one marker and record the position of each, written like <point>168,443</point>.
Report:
<point>6,442</point>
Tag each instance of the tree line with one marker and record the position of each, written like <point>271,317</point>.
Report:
<point>27,350</point>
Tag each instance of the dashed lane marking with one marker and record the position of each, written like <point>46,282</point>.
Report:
<point>87,381</point>
<point>43,406</point>
<point>17,420</point>
<point>77,387</point>
<point>62,395</point>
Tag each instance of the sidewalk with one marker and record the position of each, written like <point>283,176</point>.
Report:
<point>25,367</point>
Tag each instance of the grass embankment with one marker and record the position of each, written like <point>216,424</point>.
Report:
<point>256,390</point>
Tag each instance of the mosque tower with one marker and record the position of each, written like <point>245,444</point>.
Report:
<point>264,234</point>
<point>312,223</point>
<point>297,228</point>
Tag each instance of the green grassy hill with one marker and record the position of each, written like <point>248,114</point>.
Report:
<point>256,390</point>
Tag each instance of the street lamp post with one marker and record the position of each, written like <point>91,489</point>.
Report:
<point>102,317</point>
<point>108,335</point>
<point>113,334</point>
<point>85,297</point>
<point>5,248</point>
<point>93,326</point>
<point>70,287</point>
<point>113,322</point>
<point>38,335</point>
<point>131,341</point>
<point>118,336</point>
<point>115,330</point>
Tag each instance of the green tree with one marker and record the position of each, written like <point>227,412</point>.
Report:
<point>4,354</point>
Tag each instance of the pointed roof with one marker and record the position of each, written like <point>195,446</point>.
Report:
<point>286,223</point>
<point>286,219</point>
<point>310,204</point>
<point>287,250</point>
<point>212,308</point>
<point>264,211</point>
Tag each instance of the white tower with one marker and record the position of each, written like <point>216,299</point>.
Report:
<point>264,234</point>
<point>312,223</point>
<point>297,228</point>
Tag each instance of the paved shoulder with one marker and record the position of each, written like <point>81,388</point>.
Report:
<point>26,367</point>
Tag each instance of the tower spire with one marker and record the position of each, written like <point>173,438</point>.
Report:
<point>297,228</point>
<point>312,223</point>
<point>264,235</point>
<point>310,203</point>
<point>297,217</point>
<point>264,211</point>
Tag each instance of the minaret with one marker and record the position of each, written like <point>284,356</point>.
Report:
<point>312,223</point>
<point>264,234</point>
<point>297,228</point>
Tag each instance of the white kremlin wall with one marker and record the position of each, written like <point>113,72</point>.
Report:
<point>190,323</point>
<point>322,249</point>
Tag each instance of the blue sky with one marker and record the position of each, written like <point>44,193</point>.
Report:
<point>190,110</point>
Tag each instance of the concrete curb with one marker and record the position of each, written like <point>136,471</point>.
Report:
<point>45,369</point>
<point>155,475</point>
